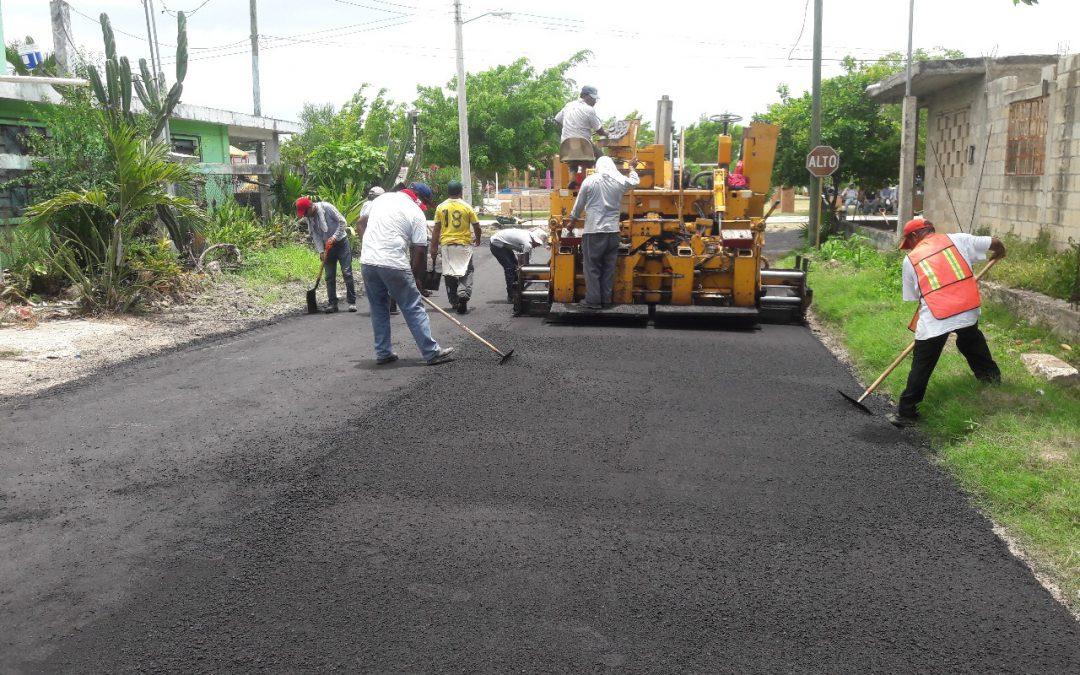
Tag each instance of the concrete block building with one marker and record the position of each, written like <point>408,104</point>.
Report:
<point>1002,142</point>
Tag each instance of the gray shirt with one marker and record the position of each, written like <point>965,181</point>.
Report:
<point>515,239</point>
<point>601,198</point>
<point>325,222</point>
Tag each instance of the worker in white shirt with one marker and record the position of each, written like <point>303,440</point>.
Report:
<point>511,247</point>
<point>579,121</point>
<point>600,198</point>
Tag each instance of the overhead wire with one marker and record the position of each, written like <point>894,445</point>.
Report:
<point>188,13</point>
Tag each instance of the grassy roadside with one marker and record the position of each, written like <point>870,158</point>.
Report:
<point>270,272</point>
<point>1014,447</point>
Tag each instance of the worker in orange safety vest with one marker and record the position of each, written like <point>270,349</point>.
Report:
<point>937,273</point>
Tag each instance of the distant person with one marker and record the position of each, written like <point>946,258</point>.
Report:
<point>511,247</point>
<point>392,260</point>
<point>327,226</point>
<point>579,121</point>
<point>600,197</point>
<point>937,273</point>
<point>850,196</point>
<point>456,233</point>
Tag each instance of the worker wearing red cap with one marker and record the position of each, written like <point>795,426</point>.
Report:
<point>937,273</point>
<point>326,226</point>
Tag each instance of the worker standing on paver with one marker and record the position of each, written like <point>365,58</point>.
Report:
<point>579,121</point>
<point>392,259</point>
<point>327,226</point>
<point>456,233</point>
<point>937,273</point>
<point>511,247</point>
<point>601,198</point>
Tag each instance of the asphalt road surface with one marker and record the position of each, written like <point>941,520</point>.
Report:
<point>624,498</point>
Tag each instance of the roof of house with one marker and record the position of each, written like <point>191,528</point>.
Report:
<point>931,76</point>
<point>241,125</point>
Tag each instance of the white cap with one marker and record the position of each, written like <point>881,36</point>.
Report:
<point>539,236</point>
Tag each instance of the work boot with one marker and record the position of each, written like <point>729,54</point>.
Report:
<point>352,307</point>
<point>331,309</point>
<point>593,307</point>
<point>462,306</point>
<point>383,360</point>
<point>443,356</point>
<point>902,421</point>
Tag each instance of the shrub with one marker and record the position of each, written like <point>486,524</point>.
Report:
<point>25,256</point>
<point>155,265</point>
<point>1038,266</point>
<point>231,223</point>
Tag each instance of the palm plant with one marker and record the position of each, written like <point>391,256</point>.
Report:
<point>94,259</point>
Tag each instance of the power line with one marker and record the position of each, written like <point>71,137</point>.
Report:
<point>805,11</point>
<point>385,7</point>
<point>188,13</point>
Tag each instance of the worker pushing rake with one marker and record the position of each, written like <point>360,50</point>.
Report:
<point>937,273</point>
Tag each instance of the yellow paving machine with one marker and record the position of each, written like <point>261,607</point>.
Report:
<point>689,244</point>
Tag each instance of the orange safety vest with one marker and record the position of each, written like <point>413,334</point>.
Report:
<point>945,280</point>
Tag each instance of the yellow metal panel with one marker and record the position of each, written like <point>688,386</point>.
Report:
<point>681,288</point>
<point>623,293</point>
<point>723,151</point>
<point>563,276</point>
<point>745,282</point>
<point>720,190</point>
<point>759,151</point>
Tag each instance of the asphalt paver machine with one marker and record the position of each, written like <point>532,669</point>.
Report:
<point>691,243</point>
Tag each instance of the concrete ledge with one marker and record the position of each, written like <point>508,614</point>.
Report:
<point>1057,316</point>
<point>883,240</point>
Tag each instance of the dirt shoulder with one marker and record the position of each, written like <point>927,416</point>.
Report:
<point>59,351</point>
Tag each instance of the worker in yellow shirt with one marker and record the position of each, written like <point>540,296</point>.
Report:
<point>456,233</point>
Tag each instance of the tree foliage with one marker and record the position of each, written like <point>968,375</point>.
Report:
<point>864,132</point>
<point>701,140</point>
<point>347,146</point>
<point>510,115</point>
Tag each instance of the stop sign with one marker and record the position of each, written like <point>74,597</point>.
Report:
<point>822,161</point>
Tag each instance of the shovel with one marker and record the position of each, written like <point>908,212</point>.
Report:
<point>858,402</point>
<point>312,303</point>
<point>440,310</point>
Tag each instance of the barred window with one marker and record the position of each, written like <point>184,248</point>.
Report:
<point>1026,146</point>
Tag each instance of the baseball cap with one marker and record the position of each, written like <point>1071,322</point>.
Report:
<point>422,191</point>
<point>589,90</point>
<point>375,191</point>
<point>302,206</point>
<point>912,226</point>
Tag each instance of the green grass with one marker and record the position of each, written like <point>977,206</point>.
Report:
<point>268,271</point>
<point>1036,266</point>
<point>1014,447</point>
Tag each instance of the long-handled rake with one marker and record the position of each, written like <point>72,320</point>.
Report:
<point>440,310</point>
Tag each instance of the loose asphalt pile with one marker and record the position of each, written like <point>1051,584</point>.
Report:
<point>644,499</point>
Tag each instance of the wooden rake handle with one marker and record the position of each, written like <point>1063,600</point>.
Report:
<point>907,350</point>
<point>465,328</point>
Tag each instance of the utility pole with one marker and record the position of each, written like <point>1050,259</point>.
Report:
<point>255,94</point>
<point>462,108</point>
<point>909,135</point>
<point>155,61</point>
<point>814,230</point>
<point>150,38</point>
<point>61,30</point>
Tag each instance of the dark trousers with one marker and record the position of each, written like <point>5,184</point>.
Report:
<point>459,288</point>
<point>599,254</point>
<point>972,344</point>
<point>340,254</point>
<point>508,259</point>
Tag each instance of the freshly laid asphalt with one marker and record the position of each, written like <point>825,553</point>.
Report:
<point>612,498</point>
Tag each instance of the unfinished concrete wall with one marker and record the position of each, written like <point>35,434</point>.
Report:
<point>1023,205</point>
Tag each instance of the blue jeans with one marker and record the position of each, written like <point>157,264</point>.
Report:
<point>380,285</point>
<point>340,253</point>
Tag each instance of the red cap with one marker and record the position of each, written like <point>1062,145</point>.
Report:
<point>913,226</point>
<point>302,206</point>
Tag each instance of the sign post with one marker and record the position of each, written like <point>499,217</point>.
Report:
<point>822,161</point>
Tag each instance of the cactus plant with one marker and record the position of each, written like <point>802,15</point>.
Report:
<point>114,92</point>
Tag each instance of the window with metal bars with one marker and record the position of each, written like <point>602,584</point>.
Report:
<point>1025,150</point>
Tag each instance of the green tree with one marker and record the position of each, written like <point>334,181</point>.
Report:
<point>701,143</point>
<point>864,132</point>
<point>511,111</point>
<point>338,148</point>
<point>646,135</point>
